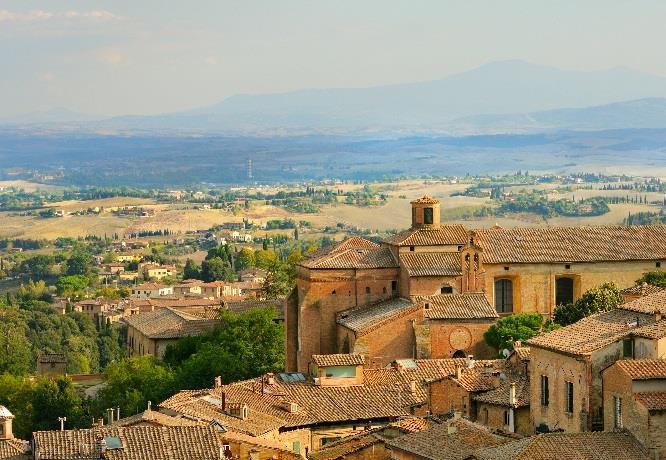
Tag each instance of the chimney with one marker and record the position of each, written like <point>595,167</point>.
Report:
<point>218,381</point>
<point>657,315</point>
<point>470,361</point>
<point>110,415</point>
<point>270,378</point>
<point>223,398</point>
<point>412,387</point>
<point>458,372</point>
<point>512,394</point>
<point>100,421</point>
<point>117,413</point>
<point>150,403</point>
<point>517,344</point>
<point>101,445</point>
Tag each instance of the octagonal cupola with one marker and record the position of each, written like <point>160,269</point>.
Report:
<point>425,212</point>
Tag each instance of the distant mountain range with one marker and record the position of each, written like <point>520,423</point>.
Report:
<point>500,97</point>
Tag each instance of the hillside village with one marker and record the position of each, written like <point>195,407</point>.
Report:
<point>397,349</point>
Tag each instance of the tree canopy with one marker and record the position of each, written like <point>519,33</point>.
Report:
<point>519,327</point>
<point>604,297</point>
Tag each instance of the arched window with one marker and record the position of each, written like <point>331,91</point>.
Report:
<point>564,291</point>
<point>446,289</point>
<point>504,296</point>
<point>459,354</point>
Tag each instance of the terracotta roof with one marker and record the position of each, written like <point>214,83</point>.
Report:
<point>354,258</point>
<point>425,199</point>
<point>340,359</point>
<point>442,235</point>
<point>377,398</point>
<point>592,333</point>
<point>149,287</point>
<point>652,400</point>
<point>14,449</point>
<point>170,323</point>
<point>500,395</point>
<point>522,352</point>
<point>366,438</point>
<point>475,380</point>
<point>140,442</point>
<point>651,331</point>
<point>572,244</point>
<point>451,440</point>
<point>51,358</point>
<point>642,289</point>
<point>366,319</point>
<point>569,446</point>
<point>177,302</point>
<point>423,370</point>
<point>212,312</point>
<point>648,304</point>
<point>156,418</point>
<point>643,369</point>
<point>468,305</point>
<point>431,263</point>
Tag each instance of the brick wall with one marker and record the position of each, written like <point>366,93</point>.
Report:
<point>441,346</point>
<point>445,395</point>
<point>492,416</point>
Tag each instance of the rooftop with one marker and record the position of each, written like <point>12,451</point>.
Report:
<point>573,446</point>
<point>500,396</point>
<point>14,449</point>
<point>170,323</point>
<point>652,400</point>
<point>468,305</point>
<point>450,440</point>
<point>431,263</point>
<point>425,199</point>
<point>642,289</point>
<point>648,304</point>
<point>442,235</point>
<point>149,286</point>
<point>643,369</point>
<point>572,244</point>
<point>352,253</point>
<point>366,319</point>
<point>338,360</point>
<point>592,333</point>
<point>156,418</point>
<point>52,358</point>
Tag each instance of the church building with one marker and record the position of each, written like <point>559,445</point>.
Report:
<point>433,290</point>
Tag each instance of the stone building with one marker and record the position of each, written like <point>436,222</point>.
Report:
<point>51,364</point>
<point>565,364</point>
<point>634,395</point>
<point>516,270</point>
<point>10,447</point>
<point>151,333</point>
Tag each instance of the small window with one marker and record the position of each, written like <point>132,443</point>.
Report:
<point>427,216</point>
<point>296,447</point>
<point>506,269</point>
<point>411,248</point>
<point>506,417</point>
<point>367,290</point>
<point>446,290</point>
<point>333,293</point>
<point>544,390</point>
<point>657,264</point>
<point>384,290</point>
<point>426,306</point>
<point>628,348</point>
<point>394,286</point>
<point>569,389</point>
<point>567,267</point>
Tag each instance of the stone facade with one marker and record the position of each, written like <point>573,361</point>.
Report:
<point>518,270</point>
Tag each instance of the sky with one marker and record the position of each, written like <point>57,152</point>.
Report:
<point>154,56</point>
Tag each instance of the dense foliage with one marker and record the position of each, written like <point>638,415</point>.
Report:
<point>601,298</point>
<point>519,327</point>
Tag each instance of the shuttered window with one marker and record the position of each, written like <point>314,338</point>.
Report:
<point>504,296</point>
<point>617,412</point>
<point>544,390</point>
<point>564,291</point>
<point>569,389</point>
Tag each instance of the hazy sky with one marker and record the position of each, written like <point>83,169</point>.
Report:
<point>151,56</point>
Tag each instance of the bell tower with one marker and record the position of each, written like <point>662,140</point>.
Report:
<point>425,213</point>
<point>6,418</point>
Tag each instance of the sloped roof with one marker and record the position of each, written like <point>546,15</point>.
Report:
<point>569,446</point>
<point>475,380</point>
<point>500,395</point>
<point>572,244</point>
<point>641,290</point>
<point>592,333</point>
<point>340,359</point>
<point>450,440</point>
<point>14,449</point>
<point>522,352</point>
<point>353,252</point>
<point>240,306</point>
<point>652,400</point>
<point>51,358</point>
<point>466,305</point>
<point>425,199</point>
<point>377,398</point>
<point>170,323</point>
<point>365,319</point>
<point>437,236</point>
<point>156,418</point>
<point>643,369</point>
<point>431,263</point>
<point>648,304</point>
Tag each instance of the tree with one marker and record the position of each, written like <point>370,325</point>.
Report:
<point>247,345</point>
<point>53,398</point>
<point>15,348</point>
<point>132,382</point>
<point>216,269</point>
<point>71,285</point>
<point>601,298</point>
<point>191,270</point>
<point>278,282</point>
<point>657,278</point>
<point>79,263</point>
<point>264,258</point>
<point>509,329</point>
<point>37,267</point>
<point>245,259</point>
